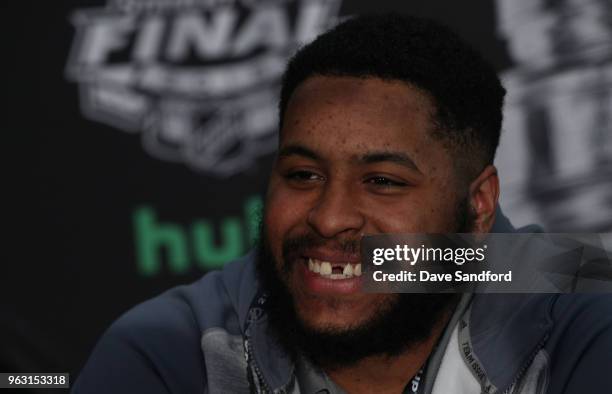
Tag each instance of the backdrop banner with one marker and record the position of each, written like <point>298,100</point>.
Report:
<point>150,128</point>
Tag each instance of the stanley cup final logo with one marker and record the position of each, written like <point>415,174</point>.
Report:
<point>556,151</point>
<point>196,79</point>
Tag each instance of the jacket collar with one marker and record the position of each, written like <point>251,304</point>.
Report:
<point>247,298</point>
<point>506,330</point>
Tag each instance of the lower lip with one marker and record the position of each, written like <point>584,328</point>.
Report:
<point>317,284</point>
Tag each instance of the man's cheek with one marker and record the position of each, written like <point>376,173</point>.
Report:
<point>288,218</point>
<point>397,219</point>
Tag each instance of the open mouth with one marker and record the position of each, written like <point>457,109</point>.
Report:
<point>334,270</point>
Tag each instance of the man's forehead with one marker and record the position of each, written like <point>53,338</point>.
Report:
<point>358,120</point>
<point>355,102</point>
<point>373,97</point>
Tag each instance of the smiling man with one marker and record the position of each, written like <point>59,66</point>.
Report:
<point>388,124</point>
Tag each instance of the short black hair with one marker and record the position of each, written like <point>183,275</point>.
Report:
<point>466,91</point>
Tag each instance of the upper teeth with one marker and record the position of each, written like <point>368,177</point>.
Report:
<point>324,268</point>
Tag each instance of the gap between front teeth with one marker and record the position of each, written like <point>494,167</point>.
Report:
<point>324,268</point>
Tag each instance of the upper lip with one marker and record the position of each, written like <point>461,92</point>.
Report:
<point>332,256</point>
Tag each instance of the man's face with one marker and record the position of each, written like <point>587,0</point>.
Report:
<point>356,157</point>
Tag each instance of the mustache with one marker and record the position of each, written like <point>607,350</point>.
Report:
<point>296,246</point>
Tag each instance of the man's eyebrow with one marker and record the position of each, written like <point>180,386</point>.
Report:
<point>298,150</point>
<point>394,157</point>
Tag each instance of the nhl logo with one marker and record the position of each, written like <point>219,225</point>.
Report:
<point>197,79</point>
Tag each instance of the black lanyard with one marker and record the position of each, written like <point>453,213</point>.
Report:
<point>415,383</point>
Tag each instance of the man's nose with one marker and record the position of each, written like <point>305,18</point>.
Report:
<point>335,212</point>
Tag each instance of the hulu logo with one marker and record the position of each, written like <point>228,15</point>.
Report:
<point>183,246</point>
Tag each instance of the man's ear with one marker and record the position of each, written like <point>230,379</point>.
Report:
<point>484,194</point>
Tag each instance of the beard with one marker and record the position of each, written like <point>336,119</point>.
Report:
<point>402,322</point>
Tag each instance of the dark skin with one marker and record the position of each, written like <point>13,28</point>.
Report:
<point>357,157</point>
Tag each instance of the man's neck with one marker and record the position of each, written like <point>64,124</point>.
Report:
<point>387,374</point>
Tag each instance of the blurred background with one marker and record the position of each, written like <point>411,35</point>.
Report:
<point>147,129</point>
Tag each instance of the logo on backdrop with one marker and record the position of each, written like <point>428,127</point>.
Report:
<point>197,79</point>
<point>556,155</point>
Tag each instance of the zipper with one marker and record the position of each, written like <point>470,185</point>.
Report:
<point>255,313</point>
<point>527,364</point>
<point>532,356</point>
<point>261,385</point>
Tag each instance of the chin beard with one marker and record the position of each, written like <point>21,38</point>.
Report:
<point>405,320</point>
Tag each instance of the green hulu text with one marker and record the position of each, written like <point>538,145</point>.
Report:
<point>199,245</point>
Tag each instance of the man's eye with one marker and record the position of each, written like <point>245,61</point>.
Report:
<point>303,176</point>
<point>385,182</point>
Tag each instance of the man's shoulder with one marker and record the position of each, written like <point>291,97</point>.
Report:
<point>593,306</point>
<point>158,342</point>
<point>573,331</point>
<point>177,309</point>
<point>581,317</point>
<point>207,302</point>
<point>557,314</point>
<point>580,343</point>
